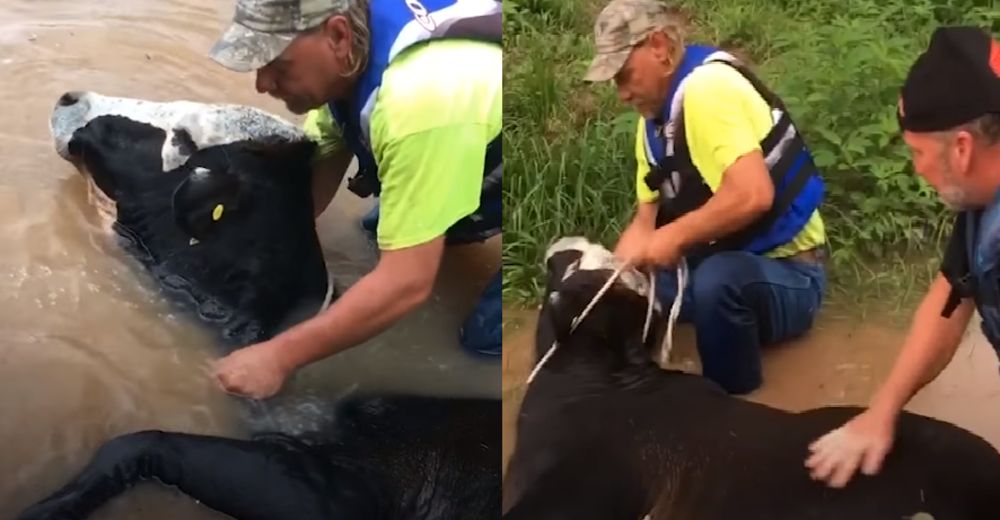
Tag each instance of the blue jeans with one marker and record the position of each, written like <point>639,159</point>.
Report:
<point>740,302</point>
<point>481,332</point>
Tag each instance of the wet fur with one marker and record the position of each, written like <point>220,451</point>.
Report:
<point>388,458</point>
<point>605,434</point>
<point>261,269</point>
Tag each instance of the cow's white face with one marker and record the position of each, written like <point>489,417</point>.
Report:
<point>189,126</point>
<point>595,257</point>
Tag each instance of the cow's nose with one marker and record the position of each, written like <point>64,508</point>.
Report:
<point>70,98</point>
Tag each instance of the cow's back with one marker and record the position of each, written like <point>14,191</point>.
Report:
<point>686,450</point>
<point>437,458</point>
<point>934,467</point>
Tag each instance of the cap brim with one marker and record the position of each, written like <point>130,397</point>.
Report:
<point>243,49</point>
<point>605,66</point>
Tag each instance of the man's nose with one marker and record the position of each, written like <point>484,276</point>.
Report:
<point>265,81</point>
<point>624,95</point>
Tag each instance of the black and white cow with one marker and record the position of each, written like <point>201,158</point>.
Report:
<point>214,200</point>
<point>166,168</point>
<point>606,434</point>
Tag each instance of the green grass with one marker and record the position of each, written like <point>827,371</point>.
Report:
<point>838,65</point>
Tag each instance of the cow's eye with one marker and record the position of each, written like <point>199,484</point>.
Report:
<point>183,141</point>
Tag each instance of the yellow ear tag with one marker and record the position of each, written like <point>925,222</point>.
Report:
<point>217,213</point>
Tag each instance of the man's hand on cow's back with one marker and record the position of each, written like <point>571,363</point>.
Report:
<point>861,443</point>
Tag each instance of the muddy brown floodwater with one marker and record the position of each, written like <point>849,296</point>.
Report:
<point>841,361</point>
<point>88,348</point>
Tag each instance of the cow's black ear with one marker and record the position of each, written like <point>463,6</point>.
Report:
<point>298,152</point>
<point>204,199</point>
<point>559,309</point>
<point>557,266</point>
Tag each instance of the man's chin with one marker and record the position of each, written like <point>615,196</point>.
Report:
<point>646,112</point>
<point>296,109</point>
<point>959,206</point>
<point>299,107</point>
<point>956,199</point>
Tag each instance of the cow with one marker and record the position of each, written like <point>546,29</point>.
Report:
<point>606,433</point>
<point>388,457</point>
<point>213,200</point>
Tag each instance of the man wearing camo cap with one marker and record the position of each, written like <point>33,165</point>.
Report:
<point>723,180</point>
<point>412,89</point>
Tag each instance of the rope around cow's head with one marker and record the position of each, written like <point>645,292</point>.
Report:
<point>675,308</point>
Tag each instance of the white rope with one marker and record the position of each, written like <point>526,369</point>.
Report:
<point>650,301</point>
<point>675,311</point>
<point>576,321</point>
<point>329,294</point>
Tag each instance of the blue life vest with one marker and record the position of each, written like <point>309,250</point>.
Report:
<point>798,185</point>
<point>395,26</point>
<point>982,239</point>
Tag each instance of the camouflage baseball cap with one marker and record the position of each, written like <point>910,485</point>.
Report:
<point>621,25</point>
<point>263,29</point>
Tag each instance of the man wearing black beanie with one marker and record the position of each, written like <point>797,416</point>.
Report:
<point>949,111</point>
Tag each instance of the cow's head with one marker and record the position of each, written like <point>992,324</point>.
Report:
<point>215,200</point>
<point>576,270</point>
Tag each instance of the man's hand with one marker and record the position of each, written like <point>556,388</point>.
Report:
<point>631,246</point>
<point>866,439</point>
<point>665,248</point>
<point>255,371</point>
<point>863,442</point>
<point>744,195</point>
<point>402,280</point>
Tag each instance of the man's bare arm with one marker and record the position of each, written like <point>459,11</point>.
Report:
<point>928,348</point>
<point>327,175</point>
<point>402,281</point>
<point>745,193</point>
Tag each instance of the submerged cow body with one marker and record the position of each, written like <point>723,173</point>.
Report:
<point>387,458</point>
<point>214,200</point>
<point>605,433</point>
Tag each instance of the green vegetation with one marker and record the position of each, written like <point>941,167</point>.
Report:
<point>838,64</point>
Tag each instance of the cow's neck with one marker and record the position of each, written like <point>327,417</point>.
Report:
<point>591,368</point>
<point>649,411</point>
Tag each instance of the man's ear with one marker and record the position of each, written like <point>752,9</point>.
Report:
<point>661,46</point>
<point>337,34</point>
<point>961,152</point>
<point>204,199</point>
